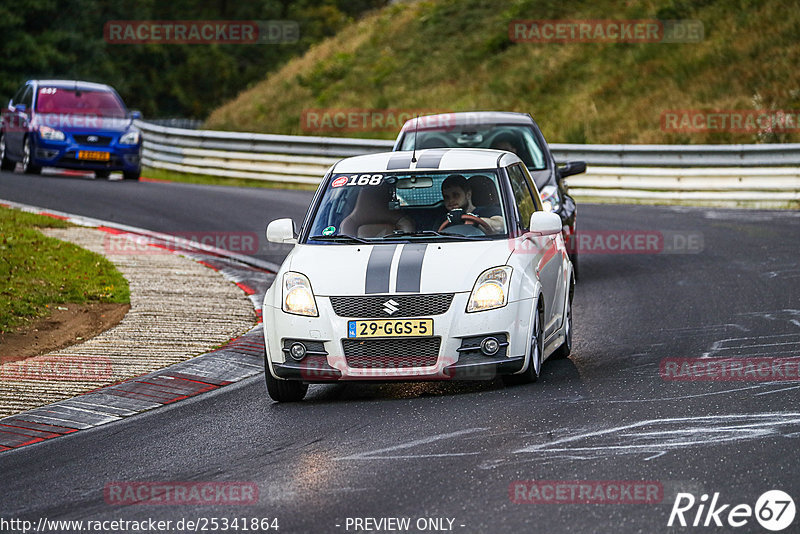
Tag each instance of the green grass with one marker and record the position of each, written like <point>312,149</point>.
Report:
<point>38,271</point>
<point>173,176</point>
<point>456,55</point>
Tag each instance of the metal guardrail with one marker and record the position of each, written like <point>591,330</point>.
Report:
<point>753,175</point>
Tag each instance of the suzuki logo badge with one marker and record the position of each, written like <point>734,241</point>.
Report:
<point>390,307</point>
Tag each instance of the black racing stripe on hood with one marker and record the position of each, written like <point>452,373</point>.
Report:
<point>378,269</point>
<point>409,269</point>
<point>430,159</point>
<point>399,162</point>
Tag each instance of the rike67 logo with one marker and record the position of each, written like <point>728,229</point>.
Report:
<point>774,510</point>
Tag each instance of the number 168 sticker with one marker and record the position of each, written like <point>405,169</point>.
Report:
<point>358,179</point>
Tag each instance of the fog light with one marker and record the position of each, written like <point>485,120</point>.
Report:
<point>297,351</point>
<point>490,346</point>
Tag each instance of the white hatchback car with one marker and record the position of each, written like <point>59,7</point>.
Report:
<point>434,264</point>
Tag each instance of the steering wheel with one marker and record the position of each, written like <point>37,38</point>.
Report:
<point>471,220</point>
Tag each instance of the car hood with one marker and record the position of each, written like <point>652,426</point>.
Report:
<point>84,123</point>
<point>439,267</point>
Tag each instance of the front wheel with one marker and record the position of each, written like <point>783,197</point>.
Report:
<point>283,390</point>
<point>102,174</point>
<point>5,163</point>
<point>537,350</point>
<point>131,175</point>
<point>27,158</point>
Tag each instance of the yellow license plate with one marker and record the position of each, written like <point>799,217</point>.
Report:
<point>94,155</point>
<point>390,328</point>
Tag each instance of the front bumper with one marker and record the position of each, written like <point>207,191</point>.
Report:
<point>64,154</point>
<point>457,357</point>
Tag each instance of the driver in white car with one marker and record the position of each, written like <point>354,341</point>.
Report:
<point>457,196</point>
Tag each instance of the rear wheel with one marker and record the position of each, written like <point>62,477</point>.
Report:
<point>537,350</point>
<point>5,163</point>
<point>283,390</point>
<point>27,158</point>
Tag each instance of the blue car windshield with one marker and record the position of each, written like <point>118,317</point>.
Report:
<point>57,100</point>
<point>375,206</point>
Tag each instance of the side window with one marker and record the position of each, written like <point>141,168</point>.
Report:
<point>27,99</point>
<point>537,199</point>
<point>18,97</point>
<point>522,194</point>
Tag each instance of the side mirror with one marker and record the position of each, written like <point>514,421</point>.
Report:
<point>281,231</point>
<point>20,108</point>
<point>572,167</point>
<point>136,115</point>
<point>545,223</point>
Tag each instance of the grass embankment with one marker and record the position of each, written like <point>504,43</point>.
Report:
<point>204,179</point>
<point>37,271</point>
<point>457,55</point>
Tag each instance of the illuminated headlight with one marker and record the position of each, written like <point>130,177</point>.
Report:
<point>298,298</point>
<point>130,138</point>
<point>491,290</point>
<point>51,134</point>
<point>549,195</point>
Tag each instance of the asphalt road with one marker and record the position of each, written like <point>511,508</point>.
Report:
<point>453,450</point>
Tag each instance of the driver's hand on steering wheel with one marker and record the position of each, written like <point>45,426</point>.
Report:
<point>454,216</point>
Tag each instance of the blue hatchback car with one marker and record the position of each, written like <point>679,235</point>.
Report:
<point>72,125</point>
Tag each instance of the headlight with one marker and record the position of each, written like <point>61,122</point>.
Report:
<point>491,290</point>
<point>50,134</point>
<point>130,138</point>
<point>298,298</point>
<point>549,195</point>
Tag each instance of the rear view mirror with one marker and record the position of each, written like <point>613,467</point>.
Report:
<point>281,231</point>
<point>136,115</point>
<point>20,108</point>
<point>572,167</point>
<point>545,223</point>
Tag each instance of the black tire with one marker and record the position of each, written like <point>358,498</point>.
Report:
<point>5,163</point>
<point>102,174</point>
<point>537,350</point>
<point>566,348</point>
<point>283,390</point>
<point>27,156</point>
<point>132,175</point>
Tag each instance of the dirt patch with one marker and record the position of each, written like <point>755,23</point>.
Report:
<point>67,325</point>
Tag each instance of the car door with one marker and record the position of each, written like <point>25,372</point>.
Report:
<point>18,120</point>
<point>545,259</point>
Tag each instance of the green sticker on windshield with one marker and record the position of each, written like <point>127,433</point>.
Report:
<point>330,230</point>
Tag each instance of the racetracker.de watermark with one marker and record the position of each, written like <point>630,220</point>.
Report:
<point>180,493</point>
<point>730,369</point>
<point>245,243</point>
<point>372,120</point>
<point>730,120</point>
<point>625,242</point>
<point>606,31</point>
<point>201,31</point>
<point>58,369</point>
<point>585,492</point>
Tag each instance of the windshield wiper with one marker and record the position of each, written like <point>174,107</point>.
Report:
<point>431,233</point>
<point>339,237</point>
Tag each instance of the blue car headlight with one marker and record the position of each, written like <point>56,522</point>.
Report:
<point>130,138</point>
<point>51,134</point>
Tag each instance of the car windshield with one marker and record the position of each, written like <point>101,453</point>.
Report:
<point>518,139</point>
<point>61,101</point>
<point>383,206</point>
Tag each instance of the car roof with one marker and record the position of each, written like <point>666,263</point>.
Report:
<point>73,84</point>
<point>467,118</point>
<point>441,159</point>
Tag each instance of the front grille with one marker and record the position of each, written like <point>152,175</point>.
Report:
<point>406,305</point>
<point>391,353</point>
<point>100,140</point>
